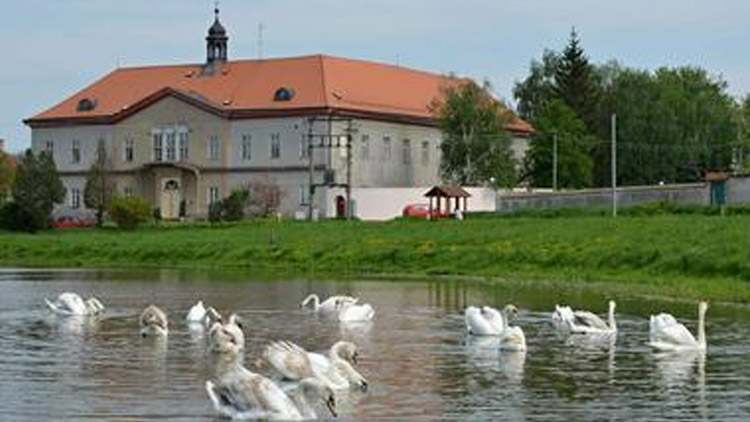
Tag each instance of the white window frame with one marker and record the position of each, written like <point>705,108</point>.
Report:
<point>387,153</point>
<point>129,151</point>
<point>212,195</point>
<point>406,151</point>
<point>304,195</point>
<point>365,148</point>
<point>50,148</point>
<point>304,149</point>
<point>128,191</point>
<point>75,198</point>
<point>213,148</point>
<point>246,147</point>
<point>425,153</point>
<point>275,146</point>
<point>170,146</point>
<point>157,139</point>
<point>75,151</point>
<point>183,143</point>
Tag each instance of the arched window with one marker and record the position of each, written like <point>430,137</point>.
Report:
<point>283,94</point>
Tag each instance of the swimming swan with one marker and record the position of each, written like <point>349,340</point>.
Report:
<point>666,334</point>
<point>338,366</point>
<point>294,363</point>
<point>71,304</point>
<point>330,305</point>
<point>354,312</point>
<point>247,395</point>
<point>153,322</point>
<point>226,338</point>
<point>197,313</point>
<point>488,321</point>
<point>584,322</point>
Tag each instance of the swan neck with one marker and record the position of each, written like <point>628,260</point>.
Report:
<point>702,327</point>
<point>612,323</point>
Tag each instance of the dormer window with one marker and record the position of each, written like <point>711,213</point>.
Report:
<point>86,104</point>
<point>283,94</point>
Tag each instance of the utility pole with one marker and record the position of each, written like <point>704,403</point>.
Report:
<point>554,161</point>
<point>614,165</point>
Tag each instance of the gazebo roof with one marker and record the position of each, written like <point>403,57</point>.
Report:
<point>447,192</point>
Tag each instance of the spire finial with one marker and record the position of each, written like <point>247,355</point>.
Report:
<point>216,10</point>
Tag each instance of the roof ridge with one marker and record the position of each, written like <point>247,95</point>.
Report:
<point>323,84</point>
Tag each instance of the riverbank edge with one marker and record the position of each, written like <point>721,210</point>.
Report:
<point>669,287</point>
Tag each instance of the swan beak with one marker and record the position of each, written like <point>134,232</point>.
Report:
<point>363,385</point>
<point>355,356</point>
<point>331,404</point>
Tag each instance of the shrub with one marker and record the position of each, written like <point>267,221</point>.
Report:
<point>234,205</point>
<point>215,210</point>
<point>17,218</point>
<point>129,212</point>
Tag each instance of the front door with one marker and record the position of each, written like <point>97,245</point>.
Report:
<point>170,199</point>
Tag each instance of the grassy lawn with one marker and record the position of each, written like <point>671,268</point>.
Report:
<point>694,256</point>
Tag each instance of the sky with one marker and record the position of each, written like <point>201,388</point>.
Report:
<point>51,48</point>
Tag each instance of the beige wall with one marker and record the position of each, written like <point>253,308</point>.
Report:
<point>371,168</point>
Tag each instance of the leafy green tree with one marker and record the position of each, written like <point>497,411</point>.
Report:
<point>100,185</point>
<point>534,92</point>
<point>37,187</point>
<point>476,146</point>
<point>7,173</point>
<point>673,125</point>
<point>574,164</point>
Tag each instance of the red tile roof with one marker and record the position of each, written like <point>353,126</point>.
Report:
<point>244,88</point>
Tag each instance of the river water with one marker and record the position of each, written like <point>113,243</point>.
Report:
<point>419,363</point>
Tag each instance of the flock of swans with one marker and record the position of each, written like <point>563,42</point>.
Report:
<point>299,383</point>
<point>665,333</point>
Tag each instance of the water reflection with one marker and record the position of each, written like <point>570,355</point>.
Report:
<point>415,354</point>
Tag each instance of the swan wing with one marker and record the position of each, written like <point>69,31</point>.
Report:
<point>563,318</point>
<point>247,395</point>
<point>513,339</point>
<point>70,304</point>
<point>290,360</point>
<point>477,324</point>
<point>197,313</point>
<point>494,318</point>
<point>355,312</point>
<point>337,303</point>
<point>590,320</point>
<point>319,363</point>
<point>669,332</point>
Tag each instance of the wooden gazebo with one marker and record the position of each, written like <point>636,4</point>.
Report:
<point>456,193</point>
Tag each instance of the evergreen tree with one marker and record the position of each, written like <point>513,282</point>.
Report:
<point>476,146</point>
<point>576,82</point>
<point>37,187</point>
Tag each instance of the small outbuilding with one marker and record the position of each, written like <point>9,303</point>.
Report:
<point>444,195</point>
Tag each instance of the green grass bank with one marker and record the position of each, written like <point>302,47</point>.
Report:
<point>691,256</point>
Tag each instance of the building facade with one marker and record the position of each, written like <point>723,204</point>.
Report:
<point>185,136</point>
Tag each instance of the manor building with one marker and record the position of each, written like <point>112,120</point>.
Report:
<point>184,136</point>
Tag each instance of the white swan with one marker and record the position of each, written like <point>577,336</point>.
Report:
<point>354,312</point>
<point>71,304</point>
<point>247,395</point>
<point>197,313</point>
<point>666,334</point>
<point>153,322</point>
<point>294,363</point>
<point>226,338</point>
<point>337,366</point>
<point>488,321</point>
<point>330,305</point>
<point>512,339</point>
<point>584,322</point>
